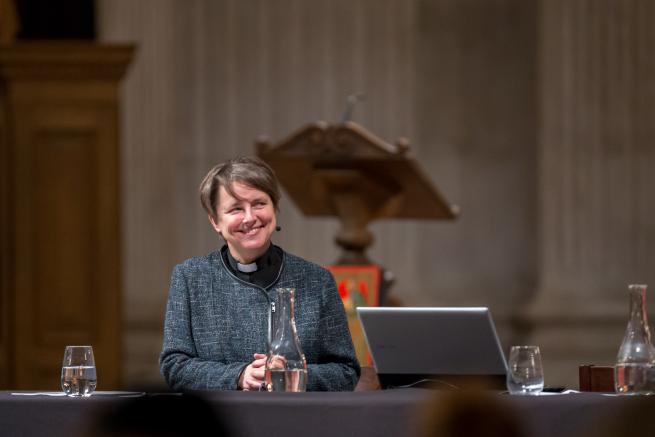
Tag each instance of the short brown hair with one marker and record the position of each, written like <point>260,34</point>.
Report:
<point>250,171</point>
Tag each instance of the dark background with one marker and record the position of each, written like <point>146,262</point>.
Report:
<point>48,19</point>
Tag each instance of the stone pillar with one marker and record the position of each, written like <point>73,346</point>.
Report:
<point>596,226</point>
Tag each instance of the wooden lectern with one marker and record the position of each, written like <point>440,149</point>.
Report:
<point>345,171</point>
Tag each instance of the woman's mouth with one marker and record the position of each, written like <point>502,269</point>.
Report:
<point>251,231</point>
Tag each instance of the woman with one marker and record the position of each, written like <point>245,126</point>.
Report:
<point>216,328</point>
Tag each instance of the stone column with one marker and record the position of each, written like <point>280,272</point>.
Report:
<point>596,226</point>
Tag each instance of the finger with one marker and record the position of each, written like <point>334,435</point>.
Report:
<point>256,376</point>
<point>260,361</point>
<point>259,356</point>
<point>258,364</point>
<point>254,384</point>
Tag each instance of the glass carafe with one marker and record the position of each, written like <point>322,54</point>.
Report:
<point>286,366</point>
<point>633,373</point>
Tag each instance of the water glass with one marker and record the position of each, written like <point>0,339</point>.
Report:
<point>78,371</point>
<point>525,375</point>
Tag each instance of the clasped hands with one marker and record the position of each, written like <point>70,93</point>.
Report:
<point>253,376</point>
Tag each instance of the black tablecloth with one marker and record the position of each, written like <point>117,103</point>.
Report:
<point>362,414</point>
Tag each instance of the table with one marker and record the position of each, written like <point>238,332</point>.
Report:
<point>362,414</point>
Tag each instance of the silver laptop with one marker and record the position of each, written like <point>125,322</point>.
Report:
<point>439,347</point>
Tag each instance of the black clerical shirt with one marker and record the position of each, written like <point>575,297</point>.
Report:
<point>268,266</point>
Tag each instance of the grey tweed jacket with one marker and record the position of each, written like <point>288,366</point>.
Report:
<point>215,322</point>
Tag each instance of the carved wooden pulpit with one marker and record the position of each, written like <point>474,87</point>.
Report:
<point>345,171</point>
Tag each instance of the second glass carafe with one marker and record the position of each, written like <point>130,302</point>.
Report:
<point>635,362</point>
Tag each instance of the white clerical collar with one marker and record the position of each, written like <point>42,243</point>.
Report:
<point>247,268</point>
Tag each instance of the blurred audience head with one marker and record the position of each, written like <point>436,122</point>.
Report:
<point>632,417</point>
<point>469,414</point>
<point>158,415</point>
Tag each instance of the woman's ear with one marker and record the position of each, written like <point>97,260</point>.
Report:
<point>214,224</point>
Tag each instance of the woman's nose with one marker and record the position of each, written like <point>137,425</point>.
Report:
<point>248,216</point>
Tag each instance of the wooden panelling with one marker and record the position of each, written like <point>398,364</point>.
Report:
<point>64,284</point>
<point>5,245</point>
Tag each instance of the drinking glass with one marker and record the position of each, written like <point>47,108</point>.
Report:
<point>525,375</point>
<point>78,372</point>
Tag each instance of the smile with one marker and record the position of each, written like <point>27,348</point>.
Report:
<point>251,231</point>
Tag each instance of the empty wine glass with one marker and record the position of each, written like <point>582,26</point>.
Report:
<point>78,371</point>
<point>525,375</point>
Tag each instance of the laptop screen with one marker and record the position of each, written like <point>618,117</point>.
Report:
<point>409,344</point>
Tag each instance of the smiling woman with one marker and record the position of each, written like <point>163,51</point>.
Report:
<point>216,331</point>
<point>245,218</point>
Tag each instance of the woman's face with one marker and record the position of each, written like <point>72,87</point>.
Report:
<point>246,221</point>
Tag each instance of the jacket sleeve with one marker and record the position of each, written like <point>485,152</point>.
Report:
<point>179,362</point>
<point>337,368</point>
